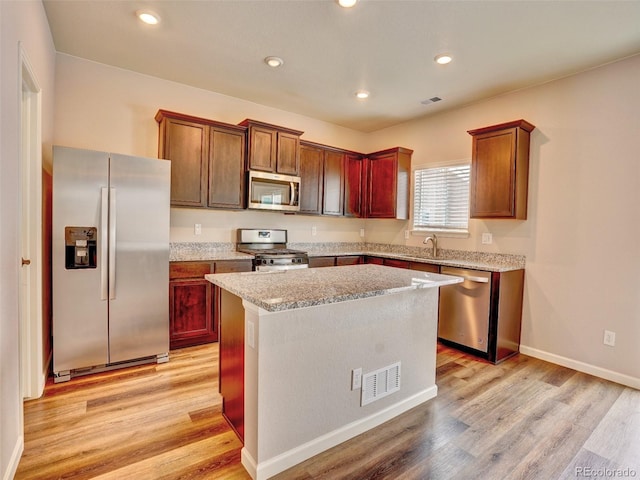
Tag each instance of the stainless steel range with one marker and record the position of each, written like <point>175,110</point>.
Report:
<point>270,251</point>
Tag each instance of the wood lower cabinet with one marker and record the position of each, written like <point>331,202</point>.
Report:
<point>207,160</point>
<point>500,171</point>
<point>231,364</point>
<point>193,315</point>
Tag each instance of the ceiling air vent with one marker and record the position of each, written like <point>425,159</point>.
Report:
<point>431,100</point>
<point>380,383</point>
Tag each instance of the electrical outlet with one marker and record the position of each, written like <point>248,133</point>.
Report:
<point>487,239</point>
<point>314,231</point>
<point>406,234</point>
<point>362,232</point>
<point>609,338</point>
<point>356,379</point>
<point>197,229</point>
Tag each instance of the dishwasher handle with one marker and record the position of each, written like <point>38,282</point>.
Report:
<point>474,279</point>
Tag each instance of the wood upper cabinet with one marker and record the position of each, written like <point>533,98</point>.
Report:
<point>331,180</point>
<point>333,191</point>
<point>226,167</point>
<point>354,170</point>
<point>311,178</point>
<point>388,175</point>
<point>272,148</point>
<point>500,170</point>
<point>185,143</point>
<point>207,160</point>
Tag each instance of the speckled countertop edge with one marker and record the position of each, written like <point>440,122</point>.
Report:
<point>287,290</point>
<point>492,262</point>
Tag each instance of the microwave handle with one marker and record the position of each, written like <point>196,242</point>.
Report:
<point>294,193</point>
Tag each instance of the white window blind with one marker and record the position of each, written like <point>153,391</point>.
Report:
<point>441,198</point>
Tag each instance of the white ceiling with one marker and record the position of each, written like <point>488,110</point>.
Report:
<point>383,46</point>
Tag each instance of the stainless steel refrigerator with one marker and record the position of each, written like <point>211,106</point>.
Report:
<point>110,241</point>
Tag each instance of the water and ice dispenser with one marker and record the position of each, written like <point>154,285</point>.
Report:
<point>80,247</point>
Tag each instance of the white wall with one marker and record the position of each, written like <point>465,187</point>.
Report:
<point>581,235</point>
<point>25,22</point>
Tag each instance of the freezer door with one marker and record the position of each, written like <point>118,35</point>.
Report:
<point>139,258</point>
<point>80,337</point>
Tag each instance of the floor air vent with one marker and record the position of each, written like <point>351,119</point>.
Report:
<point>380,383</point>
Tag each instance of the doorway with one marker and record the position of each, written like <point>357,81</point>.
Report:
<point>32,363</point>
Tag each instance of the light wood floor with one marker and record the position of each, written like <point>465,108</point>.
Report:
<point>522,419</point>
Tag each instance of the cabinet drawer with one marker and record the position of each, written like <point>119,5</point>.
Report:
<point>425,267</point>
<point>349,260</point>
<point>230,266</point>
<point>392,262</point>
<point>315,262</point>
<point>189,269</point>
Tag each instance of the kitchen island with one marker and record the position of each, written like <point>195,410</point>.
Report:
<point>290,342</point>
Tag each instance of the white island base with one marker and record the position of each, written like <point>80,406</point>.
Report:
<point>298,372</point>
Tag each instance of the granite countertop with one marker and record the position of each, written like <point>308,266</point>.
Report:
<point>491,262</point>
<point>290,289</point>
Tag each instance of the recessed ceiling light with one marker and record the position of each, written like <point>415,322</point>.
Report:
<point>274,62</point>
<point>347,3</point>
<point>362,94</point>
<point>443,59</point>
<point>148,17</point>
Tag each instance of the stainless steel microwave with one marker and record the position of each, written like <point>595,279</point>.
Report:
<point>272,191</point>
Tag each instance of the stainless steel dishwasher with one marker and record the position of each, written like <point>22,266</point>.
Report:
<point>465,308</point>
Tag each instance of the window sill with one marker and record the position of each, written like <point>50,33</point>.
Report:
<point>441,233</point>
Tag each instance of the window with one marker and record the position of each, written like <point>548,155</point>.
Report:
<point>441,198</point>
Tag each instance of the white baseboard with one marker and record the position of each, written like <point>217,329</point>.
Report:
<point>12,466</point>
<point>610,375</point>
<point>275,465</point>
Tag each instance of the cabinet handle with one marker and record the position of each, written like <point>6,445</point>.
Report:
<point>26,262</point>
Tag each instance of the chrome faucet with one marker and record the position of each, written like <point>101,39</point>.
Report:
<point>434,244</point>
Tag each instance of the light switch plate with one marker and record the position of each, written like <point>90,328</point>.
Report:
<point>197,229</point>
<point>487,239</point>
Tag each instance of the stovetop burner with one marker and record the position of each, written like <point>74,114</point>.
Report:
<point>270,251</point>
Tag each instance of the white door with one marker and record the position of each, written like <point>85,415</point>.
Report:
<point>33,372</point>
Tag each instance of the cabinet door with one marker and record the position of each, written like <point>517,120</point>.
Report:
<point>311,179</point>
<point>493,174</point>
<point>381,188</point>
<point>185,144</point>
<point>191,313</point>
<point>226,168</point>
<point>333,195</point>
<point>262,149</point>
<point>353,186</point>
<point>288,154</point>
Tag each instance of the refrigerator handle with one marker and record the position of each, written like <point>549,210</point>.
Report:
<point>104,244</point>
<point>112,243</point>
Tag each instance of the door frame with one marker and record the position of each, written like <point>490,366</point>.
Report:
<point>33,370</point>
